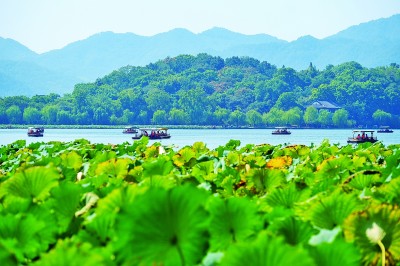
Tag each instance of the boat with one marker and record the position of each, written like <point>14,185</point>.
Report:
<point>152,133</point>
<point>35,131</point>
<point>385,129</point>
<point>281,131</point>
<point>130,130</point>
<point>361,136</point>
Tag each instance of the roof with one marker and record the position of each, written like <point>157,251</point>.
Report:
<point>372,131</point>
<point>325,105</point>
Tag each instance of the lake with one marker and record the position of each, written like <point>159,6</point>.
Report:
<point>212,137</point>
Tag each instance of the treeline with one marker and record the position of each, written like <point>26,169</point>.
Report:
<point>209,90</point>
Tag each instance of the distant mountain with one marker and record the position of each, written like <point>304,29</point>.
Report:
<point>372,44</point>
<point>13,50</point>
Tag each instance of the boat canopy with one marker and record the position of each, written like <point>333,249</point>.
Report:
<point>365,131</point>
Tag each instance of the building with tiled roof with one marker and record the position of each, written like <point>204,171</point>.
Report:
<point>320,105</point>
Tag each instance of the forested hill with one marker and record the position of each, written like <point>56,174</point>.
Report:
<point>23,72</point>
<point>209,90</point>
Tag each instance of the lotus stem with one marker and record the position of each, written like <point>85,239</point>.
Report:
<point>383,252</point>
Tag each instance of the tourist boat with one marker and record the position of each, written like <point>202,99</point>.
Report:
<point>385,129</point>
<point>281,131</point>
<point>35,131</point>
<point>153,133</point>
<point>130,130</point>
<point>361,136</point>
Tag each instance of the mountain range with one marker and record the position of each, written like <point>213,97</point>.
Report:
<point>24,72</point>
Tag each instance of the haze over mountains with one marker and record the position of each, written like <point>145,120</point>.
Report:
<point>24,72</point>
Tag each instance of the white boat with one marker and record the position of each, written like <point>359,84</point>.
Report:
<point>361,136</point>
<point>153,133</point>
<point>35,131</point>
<point>130,130</point>
<point>281,131</point>
<point>385,129</point>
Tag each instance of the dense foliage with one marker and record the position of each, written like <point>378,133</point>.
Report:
<point>208,90</point>
<point>79,203</point>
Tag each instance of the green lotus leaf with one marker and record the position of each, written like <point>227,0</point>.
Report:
<point>116,199</point>
<point>160,166</point>
<point>164,227</point>
<point>293,230</point>
<point>266,250</point>
<point>187,154</point>
<point>392,169</point>
<point>232,145</point>
<point>265,180</point>
<point>100,227</point>
<point>26,230</point>
<point>336,253</point>
<point>200,147</point>
<point>390,192</point>
<point>71,160</point>
<point>204,171</point>
<point>329,212</point>
<point>295,151</point>
<point>159,181</point>
<point>117,168</point>
<point>233,158</point>
<point>255,161</point>
<point>286,197</point>
<point>67,253</point>
<point>32,183</point>
<point>387,217</point>
<point>151,152</point>
<point>65,202</point>
<point>364,179</point>
<point>367,155</point>
<point>9,252</point>
<point>232,220</point>
<point>334,167</point>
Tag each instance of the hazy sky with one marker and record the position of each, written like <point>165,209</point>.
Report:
<point>44,25</point>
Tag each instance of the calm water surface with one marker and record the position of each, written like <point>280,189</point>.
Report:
<point>211,137</point>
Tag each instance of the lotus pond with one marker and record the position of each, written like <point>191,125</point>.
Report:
<point>78,203</point>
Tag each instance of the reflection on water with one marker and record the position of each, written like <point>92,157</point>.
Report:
<point>211,137</point>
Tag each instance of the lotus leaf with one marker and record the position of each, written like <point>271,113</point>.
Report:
<point>165,227</point>
<point>266,251</point>
<point>233,220</point>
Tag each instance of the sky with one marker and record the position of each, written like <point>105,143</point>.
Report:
<point>44,25</point>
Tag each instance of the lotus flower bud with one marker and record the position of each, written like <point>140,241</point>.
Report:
<point>375,233</point>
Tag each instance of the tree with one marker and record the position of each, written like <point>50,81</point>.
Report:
<point>14,114</point>
<point>32,116</point>
<point>194,103</point>
<point>3,115</point>
<point>293,116</point>
<point>128,117</point>
<point>157,99</point>
<point>325,118</point>
<point>310,115</point>
<point>237,118</point>
<point>382,117</point>
<point>143,118</point>
<point>221,116</point>
<point>254,118</point>
<point>49,114</point>
<point>178,117</point>
<point>64,118</point>
<point>286,100</point>
<point>275,117</point>
<point>159,117</point>
<point>340,118</point>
